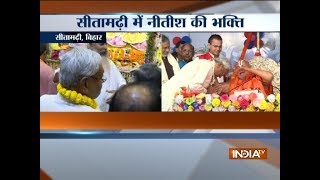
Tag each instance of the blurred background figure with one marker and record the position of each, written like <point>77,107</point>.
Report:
<point>47,86</point>
<point>150,73</point>
<point>178,51</point>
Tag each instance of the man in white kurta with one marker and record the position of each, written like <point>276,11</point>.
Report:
<point>56,103</point>
<point>114,78</point>
<point>87,62</point>
<point>114,81</point>
<point>195,74</point>
<point>169,65</point>
<point>175,67</point>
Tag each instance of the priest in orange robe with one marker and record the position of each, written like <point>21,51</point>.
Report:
<point>247,78</point>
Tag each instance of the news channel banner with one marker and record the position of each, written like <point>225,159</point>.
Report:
<point>91,28</point>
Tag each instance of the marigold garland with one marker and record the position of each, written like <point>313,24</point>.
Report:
<point>76,98</point>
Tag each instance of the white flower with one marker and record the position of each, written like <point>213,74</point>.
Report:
<point>208,98</point>
<point>271,98</point>
<point>215,109</point>
<point>222,109</point>
<point>260,96</point>
<point>231,108</point>
<point>256,102</point>
<point>178,99</point>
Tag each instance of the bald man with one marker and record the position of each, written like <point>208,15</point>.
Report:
<point>137,96</point>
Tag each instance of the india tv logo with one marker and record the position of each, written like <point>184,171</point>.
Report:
<point>248,153</point>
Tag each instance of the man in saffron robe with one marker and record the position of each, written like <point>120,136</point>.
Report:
<point>247,78</point>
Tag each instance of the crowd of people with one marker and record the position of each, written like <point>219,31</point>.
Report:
<point>210,73</point>
<point>87,80</point>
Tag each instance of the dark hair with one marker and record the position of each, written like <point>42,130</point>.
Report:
<point>214,36</point>
<point>43,48</point>
<point>148,73</point>
<point>192,47</point>
<point>136,96</point>
<point>175,53</point>
<point>164,38</point>
<point>179,43</point>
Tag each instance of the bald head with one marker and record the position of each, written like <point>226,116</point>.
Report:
<point>137,96</point>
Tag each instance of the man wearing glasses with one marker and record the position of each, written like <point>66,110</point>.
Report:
<point>78,85</point>
<point>215,47</point>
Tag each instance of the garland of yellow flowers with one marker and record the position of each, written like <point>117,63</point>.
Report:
<point>75,97</point>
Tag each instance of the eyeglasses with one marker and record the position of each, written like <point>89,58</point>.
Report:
<point>101,79</point>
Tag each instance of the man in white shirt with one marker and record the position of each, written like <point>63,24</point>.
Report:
<point>169,65</point>
<point>114,79</point>
<point>79,85</point>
